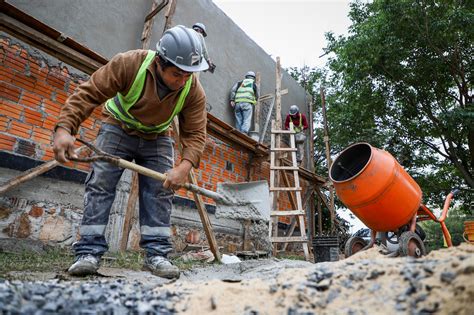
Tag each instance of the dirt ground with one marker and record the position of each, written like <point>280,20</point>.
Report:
<point>366,283</point>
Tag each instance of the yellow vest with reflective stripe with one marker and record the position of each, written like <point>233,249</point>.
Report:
<point>245,93</point>
<point>120,105</point>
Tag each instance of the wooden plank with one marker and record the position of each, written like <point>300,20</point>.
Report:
<point>129,211</point>
<point>169,14</point>
<point>206,222</point>
<point>294,239</point>
<point>284,149</point>
<point>278,95</point>
<point>285,168</point>
<point>286,189</point>
<point>282,131</point>
<point>133,195</point>
<point>328,158</point>
<point>287,213</point>
<point>283,92</point>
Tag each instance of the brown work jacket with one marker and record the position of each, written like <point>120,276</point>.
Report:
<point>117,76</point>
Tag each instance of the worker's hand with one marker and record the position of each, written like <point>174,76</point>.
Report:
<point>232,103</point>
<point>63,145</point>
<point>178,175</point>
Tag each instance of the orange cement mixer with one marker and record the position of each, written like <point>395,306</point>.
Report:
<point>375,187</point>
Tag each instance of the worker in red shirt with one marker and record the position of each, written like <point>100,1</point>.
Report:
<point>300,124</point>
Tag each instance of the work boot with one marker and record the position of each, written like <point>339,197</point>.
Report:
<point>84,265</point>
<point>161,267</point>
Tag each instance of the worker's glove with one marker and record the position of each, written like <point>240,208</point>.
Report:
<point>232,104</point>
<point>212,67</point>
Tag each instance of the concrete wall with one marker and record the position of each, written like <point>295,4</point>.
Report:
<point>112,26</point>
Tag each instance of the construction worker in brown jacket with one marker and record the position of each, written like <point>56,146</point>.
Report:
<point>141,91</point>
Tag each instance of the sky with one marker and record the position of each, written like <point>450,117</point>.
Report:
<point>291,29</point>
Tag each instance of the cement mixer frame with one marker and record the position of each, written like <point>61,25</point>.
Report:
<point>375,187</point>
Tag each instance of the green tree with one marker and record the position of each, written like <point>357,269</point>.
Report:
<point>402,81</point>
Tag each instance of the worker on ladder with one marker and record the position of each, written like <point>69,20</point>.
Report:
<point>300,124</point>
<point>142,91</point>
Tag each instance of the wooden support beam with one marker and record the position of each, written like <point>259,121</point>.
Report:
<point>133,194</point>
<point>328,158</point>
<point>169,14</point>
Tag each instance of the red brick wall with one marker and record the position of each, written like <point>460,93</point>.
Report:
<point>31,96</point>
<point>32,93</point>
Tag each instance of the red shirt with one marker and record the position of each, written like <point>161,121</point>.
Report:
<point>296,121</point>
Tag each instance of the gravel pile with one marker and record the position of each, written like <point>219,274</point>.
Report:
<point>94,297</point>
<point>366,283</point>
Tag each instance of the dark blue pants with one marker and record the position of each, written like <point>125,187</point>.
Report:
<point>155,202</point>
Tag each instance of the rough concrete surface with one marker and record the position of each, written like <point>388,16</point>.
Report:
<point>366,283</point>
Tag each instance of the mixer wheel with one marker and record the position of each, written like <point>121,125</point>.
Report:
<point>353,245</point>
<point>411,245</point>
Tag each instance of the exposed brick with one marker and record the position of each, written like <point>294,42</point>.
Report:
<point>14,62</point>
<point>20,129</point>
<point>3,123</point>
<point>6,74</point>
<point>42,135</point>
<point>33,117</point>
<point>90,135</point>
<point>61,96</point>
<point>9,92</point>
<point>88,123</point>
<point>31,100</point>
<point>56,80</point>
<point>6,142</point>
<point>11,109</point>
<point>52,108</point>
<point>38,71</point>
<point>24,82</point>
<point>48,154</point>
<point>42,89</point>
<point>49,122</point>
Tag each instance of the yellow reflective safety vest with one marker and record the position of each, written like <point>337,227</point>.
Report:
<point>245,92</point>
<point>120,105</point>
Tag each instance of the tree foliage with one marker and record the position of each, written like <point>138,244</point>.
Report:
<point>402,80</point>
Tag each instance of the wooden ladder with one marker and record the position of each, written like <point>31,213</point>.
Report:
<point>275,189</point>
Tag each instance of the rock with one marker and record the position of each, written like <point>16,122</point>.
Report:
<point>447,276</point>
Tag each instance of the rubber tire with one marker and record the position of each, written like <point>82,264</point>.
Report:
<point>357,241</point>
<point>406,242</point>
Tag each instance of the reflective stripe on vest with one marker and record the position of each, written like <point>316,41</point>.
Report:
<point>245,93</point>
<point>300,126</point>
<point>120,105</point>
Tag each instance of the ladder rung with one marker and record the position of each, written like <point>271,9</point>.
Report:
<point>286,188</point>
<point>282,131</point>
<point>291,239</point>
<point>282,213</point>
<point>284,168</point>
<point>284,149</point>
